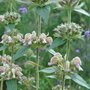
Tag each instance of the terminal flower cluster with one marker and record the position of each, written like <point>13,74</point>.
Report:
<point>10,18</point>
<point>32,38</point>
<point>68,31</point>
<point>9,70</point>
<point>67,66</point>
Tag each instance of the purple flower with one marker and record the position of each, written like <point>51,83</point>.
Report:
<point>87,34</point>
<point>23,10</point>
<point>77,50</point>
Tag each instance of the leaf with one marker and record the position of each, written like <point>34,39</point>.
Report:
<point>44,13</point>
<point>52,51</point>
<point>11,84</point>
<point>51,76</point>
<point>23,1</point>
<point>79,80</point>
<point>20,52</point>
<point>48,70</point>
<point>3,47</point>
<point>82,11</point>
<point>57,42</point>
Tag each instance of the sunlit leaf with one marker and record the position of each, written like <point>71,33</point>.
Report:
<point>82,11</point>
<point>51,76</point>
<point>79,80</point>
<point>52,51</point>
<point>48,70</point>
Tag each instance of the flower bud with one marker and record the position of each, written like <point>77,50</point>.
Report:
<point>67,66</point>
<point>49,40</point>
<point>1,18</point>
<point>43,38</point>
<point>77,62</point>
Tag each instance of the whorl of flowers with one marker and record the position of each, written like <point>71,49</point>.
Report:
<point>68,31</point>
<point>10,38</point>
<point>77,63</point>
<point>9,70</point>
<point>39,1</point>
<point>69,2</point>
<point>66,65</point>
<point>56,59</point>
<point>12,18</point>
<point>32,38</point>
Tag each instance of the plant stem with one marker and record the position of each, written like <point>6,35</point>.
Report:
<point>69,14</point>
<point>37,69</point>
<point>1,84</point>
<point>68,41</point>
<point>63,80</point>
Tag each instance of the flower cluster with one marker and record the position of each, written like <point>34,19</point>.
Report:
<point>66,65</point>
<point>10,38</point>
<point>39,1</point>
<point>12,18</point>
<point>72,3</point>
<point>87,34</point>
<point>68,31</point>
<point>23,10</point>
<point>9,70</point>
<point>32,38</point>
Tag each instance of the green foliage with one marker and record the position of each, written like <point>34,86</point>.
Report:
<point>11,84</point>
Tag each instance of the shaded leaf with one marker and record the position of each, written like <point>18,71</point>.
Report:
<point>57,42</point>
<point>20,52</point>
<point>44,13</point>
<point>79,80</point>
<point>11,84</point>
<point>3,47</point>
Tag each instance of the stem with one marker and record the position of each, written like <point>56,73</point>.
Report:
<point>67,49</point>
<point>37,69</point>
<point>1,84</point>
<point>68,41</point>
<point>63,81</point>
<point>69,14</point>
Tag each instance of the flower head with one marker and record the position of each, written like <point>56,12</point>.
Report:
<point>77,62</point>
<point>77,50</point>
<point>87,34</point>
<point>23,10</point>
<point>1,18</point>
<point>56,59</point>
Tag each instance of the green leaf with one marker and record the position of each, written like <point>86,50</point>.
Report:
<point>57,42</point>
<point>3,47</point>
<point>20,52</point>
<point>48,70</point>
<point>44,13</point>
<point>51,76</point>
<point>82,11</point>
<point>23,1</point>
<point>11,84</point>
<point>79,80</point>
<point>52,51</point>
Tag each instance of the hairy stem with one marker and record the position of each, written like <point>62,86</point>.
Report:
<point>69,14</point>
<point>37,69</point>
<point>1,84</point>
<point>63,81</point>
